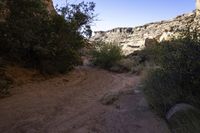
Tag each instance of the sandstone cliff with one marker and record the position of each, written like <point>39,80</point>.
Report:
<point>133,39</point>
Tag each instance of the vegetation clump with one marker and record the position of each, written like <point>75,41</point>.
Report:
<point>106,55</point>
<point>175,79</point>
<point>33,37</point>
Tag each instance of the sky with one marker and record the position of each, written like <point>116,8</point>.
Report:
<point>131,13</point>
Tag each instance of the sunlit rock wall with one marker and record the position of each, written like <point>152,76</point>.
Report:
<point>133,39</point>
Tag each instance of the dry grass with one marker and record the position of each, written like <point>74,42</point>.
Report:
<point>20,75</point>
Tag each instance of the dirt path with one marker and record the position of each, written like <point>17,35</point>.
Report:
<point>71,104</point>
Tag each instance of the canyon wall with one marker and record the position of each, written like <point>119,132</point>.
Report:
<point>133,39</point>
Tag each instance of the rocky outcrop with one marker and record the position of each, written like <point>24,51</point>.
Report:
<point>4,9</point>
<point>133,39</point>
<point>50,7</point>
<point>178,108</point>
<point>198,4</point>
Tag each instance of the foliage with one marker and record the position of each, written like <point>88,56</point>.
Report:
<point>106,55</point>
<point>176,77</point>
<point>4,81</point>
<point>80,16</point>
<point>2,4</point>
<point>49,42</point>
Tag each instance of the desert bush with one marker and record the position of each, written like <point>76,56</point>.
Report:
<point>176,77</point>
<point>141,60</point>
<point>48,42</point>
<point>106,55</point>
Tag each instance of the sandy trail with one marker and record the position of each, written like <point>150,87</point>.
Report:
<point>71,104</point>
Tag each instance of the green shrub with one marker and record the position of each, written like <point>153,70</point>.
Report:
<point>106,55</point>
<point>161,91</point>
<point>176,77</point>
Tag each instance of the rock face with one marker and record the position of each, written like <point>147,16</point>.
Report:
<point>50,7</point>
<point>133,39</point>
<point>4,9</point>
<point>198,4</point>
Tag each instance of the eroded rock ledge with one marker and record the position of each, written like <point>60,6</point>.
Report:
<point>133,39</point>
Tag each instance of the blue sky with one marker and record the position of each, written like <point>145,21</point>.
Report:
<point>130,13</point>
